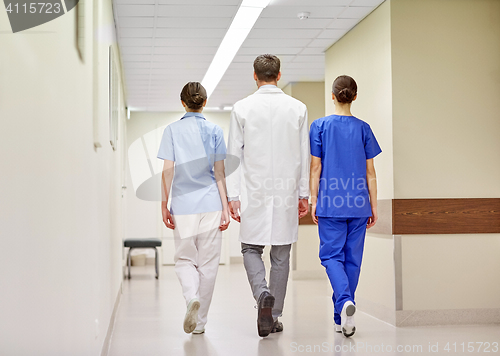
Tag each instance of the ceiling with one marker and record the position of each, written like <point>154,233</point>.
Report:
<point>166,43</point>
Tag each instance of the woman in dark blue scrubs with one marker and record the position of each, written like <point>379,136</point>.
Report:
<point>344,196</point>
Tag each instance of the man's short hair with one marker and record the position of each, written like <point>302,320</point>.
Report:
<point>267,67</point>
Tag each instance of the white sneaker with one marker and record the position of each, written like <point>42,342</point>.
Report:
<point>191,318</point>
<point>200,331</point>
<point>338,328</point>
<point>347,317</point>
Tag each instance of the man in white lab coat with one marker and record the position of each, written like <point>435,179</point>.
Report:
<point>269,135</point>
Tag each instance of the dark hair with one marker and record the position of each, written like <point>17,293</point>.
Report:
<point>345,89</point>
<point>267,67</point>
<point>193,95</point>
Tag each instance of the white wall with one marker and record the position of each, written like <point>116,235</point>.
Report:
<point>61,204</point>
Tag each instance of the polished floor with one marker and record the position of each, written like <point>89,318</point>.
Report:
<point>150,315</point>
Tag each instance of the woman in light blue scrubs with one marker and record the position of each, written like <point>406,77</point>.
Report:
<point>343,195</point>
<point>193,151</point>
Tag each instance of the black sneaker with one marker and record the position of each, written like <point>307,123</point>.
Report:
<point>265,321</point>
<point>278,327</point>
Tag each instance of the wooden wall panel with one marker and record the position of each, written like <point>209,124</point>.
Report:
<point>446,216</point>
<point>435,216</point>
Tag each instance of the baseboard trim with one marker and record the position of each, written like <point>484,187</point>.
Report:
<point>447,317</point>
<point>402,318</point>
<point>376,310</point>
<point>107,340</point>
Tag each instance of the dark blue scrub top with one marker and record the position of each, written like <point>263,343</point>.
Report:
<point>343,143</point>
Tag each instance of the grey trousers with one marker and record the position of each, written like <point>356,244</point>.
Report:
<point>278,277</point>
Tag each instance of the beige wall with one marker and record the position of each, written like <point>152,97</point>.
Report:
<point>61,204</point>
<point>310,93</point>
<point>451,271</point>
<point>446,84</point>
<point>305,255</point>
<point>365,54</point>
<point>376,290</point>
<point>446,78</point>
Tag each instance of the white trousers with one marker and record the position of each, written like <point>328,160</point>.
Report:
<point>197,254</point>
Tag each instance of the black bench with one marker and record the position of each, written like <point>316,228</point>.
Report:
<point>142,243</point>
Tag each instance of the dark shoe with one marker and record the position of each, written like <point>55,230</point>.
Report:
<point>278,327</point>
<point>265,321</point>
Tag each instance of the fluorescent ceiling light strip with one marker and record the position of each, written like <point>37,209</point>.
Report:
<point>242,24</point>
<point>256,3</point>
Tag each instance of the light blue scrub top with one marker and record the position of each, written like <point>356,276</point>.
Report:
<point>194,144</point>
<point>343,143</point>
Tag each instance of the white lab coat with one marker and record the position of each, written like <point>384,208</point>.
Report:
<point>269,134</point>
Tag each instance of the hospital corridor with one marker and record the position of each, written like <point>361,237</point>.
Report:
<point>153,151</point>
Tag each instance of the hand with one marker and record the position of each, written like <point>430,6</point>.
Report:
<point>234,207</point>
<point>224,220</point>
<point>372,220</point>
<point>303,207</point>
<point>313,214</point>
<point>167,218</point>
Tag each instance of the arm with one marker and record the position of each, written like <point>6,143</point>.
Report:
<point>235,153</point>
<point>314,183</point>
<point>371,181</point>
<point>221,185</point>
<point>304,170</point>
<point>166,183</point>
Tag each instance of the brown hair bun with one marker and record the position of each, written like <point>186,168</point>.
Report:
<point>345,89</point>
<point>193,95</point>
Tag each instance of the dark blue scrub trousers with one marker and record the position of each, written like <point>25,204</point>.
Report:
<point>341,251</point>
